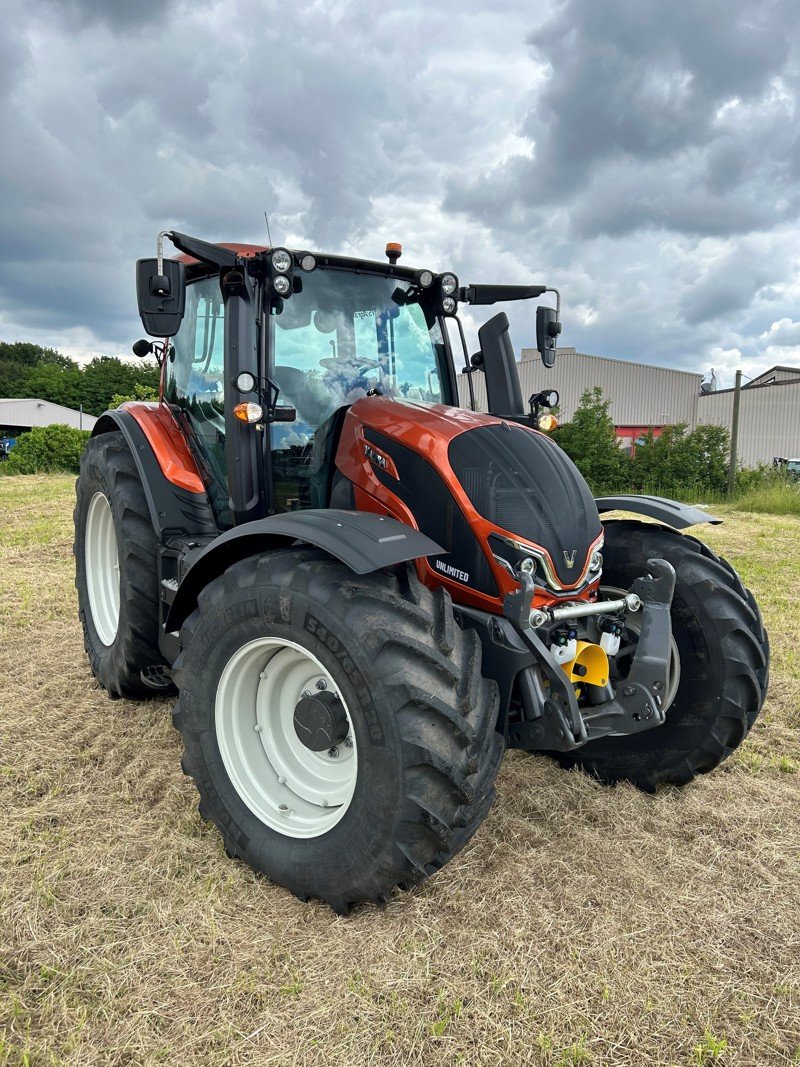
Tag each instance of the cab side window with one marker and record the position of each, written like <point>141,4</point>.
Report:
<point>196,380</point>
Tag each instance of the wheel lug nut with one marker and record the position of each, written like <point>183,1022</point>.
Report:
<point>348,742</point>
<point>322,684</point>
<point>305,693</point>
<point>257,728</point>
<point>333,752</point>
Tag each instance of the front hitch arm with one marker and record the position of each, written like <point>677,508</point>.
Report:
<point>553,719</point>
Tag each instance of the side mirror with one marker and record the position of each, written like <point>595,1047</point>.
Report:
<point>161,295</point>
<point>547,330</point>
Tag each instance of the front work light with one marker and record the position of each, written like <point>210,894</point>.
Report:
<point>245,382</point>
<point>448,305</point>
<point>449,284</point>
<point>247,412</point>
<point>281,285</point>
<point>281,260</point>
<point>308,262</point>
<point>424,278</point>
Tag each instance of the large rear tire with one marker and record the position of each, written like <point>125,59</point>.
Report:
<point>410,774</point>
<point>116,562</point>
<point>723,662</point>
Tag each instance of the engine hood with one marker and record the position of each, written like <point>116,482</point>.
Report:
<point>522,482</point>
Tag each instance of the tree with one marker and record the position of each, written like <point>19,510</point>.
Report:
<point>140,392</point>
<point>590,440</point>
<point>108,377</point>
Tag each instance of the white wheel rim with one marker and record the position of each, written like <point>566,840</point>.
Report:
<point>102,568</point>
<point>633,623</point>
<point>295,791</point>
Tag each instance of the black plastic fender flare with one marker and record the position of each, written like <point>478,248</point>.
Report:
<point>363,541</point>
<point>670,512</point>
<point>173,510</point>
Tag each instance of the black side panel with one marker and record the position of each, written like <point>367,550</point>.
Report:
<point>175,512</point>
<point>526,484</point>
<point>423,490</point>
<point>670,512</point>
<point>363,541</point>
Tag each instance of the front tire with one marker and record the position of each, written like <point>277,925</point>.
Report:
<point>723,654</point>
<point>416,779</point>
<point>116,564</point>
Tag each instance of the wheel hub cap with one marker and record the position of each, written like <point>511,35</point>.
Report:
<point>320,721</point>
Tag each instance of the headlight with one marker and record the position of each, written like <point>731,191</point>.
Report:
<point>281,260</point>
<point>449,284</point>
<point>448,305</point>
<point>596,563</point>
<point>281,284</point>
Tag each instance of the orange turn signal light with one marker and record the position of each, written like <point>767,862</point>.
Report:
<point>248,412</point>
<point>546,423</point>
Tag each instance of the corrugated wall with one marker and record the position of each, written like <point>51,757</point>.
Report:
<point>41,413</point>
<point>769,420</point>
<point>640,395</point>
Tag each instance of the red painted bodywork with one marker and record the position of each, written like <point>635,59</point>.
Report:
<point>168,443</point>
<point>428,430</point>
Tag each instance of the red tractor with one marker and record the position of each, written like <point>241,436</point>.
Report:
<point>363,592</point>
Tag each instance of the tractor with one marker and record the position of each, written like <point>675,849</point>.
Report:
<point>363,593</point>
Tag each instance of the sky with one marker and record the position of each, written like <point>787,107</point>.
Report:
<point>642,156</point>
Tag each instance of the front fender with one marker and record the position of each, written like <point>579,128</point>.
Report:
<point>670,512</point>
<point>363,541</point>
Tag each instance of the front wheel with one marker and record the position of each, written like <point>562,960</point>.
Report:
<point>116,568</point>
<point>337,726</point>
<point>718,670</point>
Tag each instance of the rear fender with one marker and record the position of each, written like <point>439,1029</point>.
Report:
<point>670,512</point>
<point>363,541</point>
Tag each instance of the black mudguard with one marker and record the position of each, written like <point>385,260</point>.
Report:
<point>363,541</point>
<point>670,512</point>
<point>174,512</point>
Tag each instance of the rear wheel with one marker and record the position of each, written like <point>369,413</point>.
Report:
<point>116,558</point>
<point>337,726</point>
<point>718,670</point>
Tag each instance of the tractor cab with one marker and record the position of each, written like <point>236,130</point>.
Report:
<point>319,333</point>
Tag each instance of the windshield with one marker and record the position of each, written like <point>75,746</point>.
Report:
<point>345,334</point>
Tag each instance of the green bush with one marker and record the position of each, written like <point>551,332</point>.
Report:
<point>45,450</point>
<point>590,440</point>
<point>678,463</point>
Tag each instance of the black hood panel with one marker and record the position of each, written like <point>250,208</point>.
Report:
<point>525,484</point>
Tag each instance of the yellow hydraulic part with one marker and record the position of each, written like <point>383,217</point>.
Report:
<point>590,666</point>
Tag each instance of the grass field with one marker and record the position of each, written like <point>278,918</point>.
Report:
<point>582,926</point>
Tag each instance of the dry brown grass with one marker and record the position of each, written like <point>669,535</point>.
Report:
<point>583,925</point>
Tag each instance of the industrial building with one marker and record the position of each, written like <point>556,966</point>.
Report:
<point>769,415</point>
<point>16,416</point>
<point>642,396</point>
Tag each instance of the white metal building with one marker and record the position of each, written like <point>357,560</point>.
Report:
<point>20,415</point>
<point>769,417</point>
<point>643,395</point>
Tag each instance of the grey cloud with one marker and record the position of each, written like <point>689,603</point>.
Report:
<point>670,228</point>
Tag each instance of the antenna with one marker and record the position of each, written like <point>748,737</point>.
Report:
<point>269,235</point>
